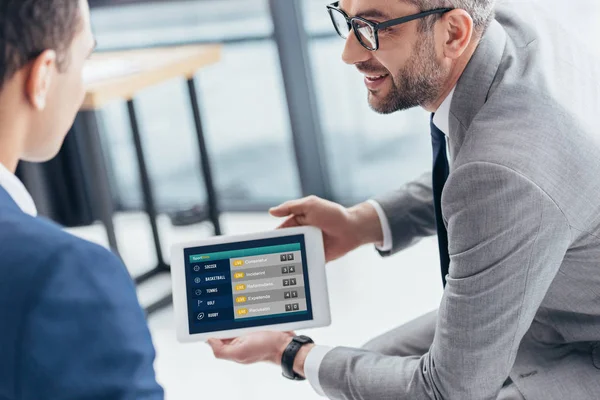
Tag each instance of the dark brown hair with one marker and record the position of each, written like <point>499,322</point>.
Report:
<point>29,27</point>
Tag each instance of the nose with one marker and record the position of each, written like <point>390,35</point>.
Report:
<point>354,52</point>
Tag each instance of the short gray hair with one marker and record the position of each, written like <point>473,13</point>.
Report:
<point>481,11</point>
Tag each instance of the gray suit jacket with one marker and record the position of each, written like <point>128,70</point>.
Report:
<point>522,209</point>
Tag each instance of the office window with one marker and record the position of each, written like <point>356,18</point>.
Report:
<point>368,153</point>
<point>243,106</point>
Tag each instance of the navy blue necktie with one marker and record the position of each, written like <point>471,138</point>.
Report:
<point>441,170</point>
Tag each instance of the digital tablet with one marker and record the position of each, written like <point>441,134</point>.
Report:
<point>228,286</point>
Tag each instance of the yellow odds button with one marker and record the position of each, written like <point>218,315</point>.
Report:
<point>239,275</point>
<point>242,311</point>
<point>238,263</point>
<point>241,299</point>
<point>240,287</point>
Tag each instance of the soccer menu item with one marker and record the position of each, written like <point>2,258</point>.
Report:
<point>247,284</point>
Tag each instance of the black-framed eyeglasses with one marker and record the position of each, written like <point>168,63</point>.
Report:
<point>367,32</point>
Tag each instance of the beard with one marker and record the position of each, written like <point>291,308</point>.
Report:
<point>419,82</point>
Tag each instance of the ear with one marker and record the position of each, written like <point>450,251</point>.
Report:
<point>40,79</point>
<point>457,28</point>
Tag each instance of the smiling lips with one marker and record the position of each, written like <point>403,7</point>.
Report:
<point>374,78</point>
<point>374,81</point>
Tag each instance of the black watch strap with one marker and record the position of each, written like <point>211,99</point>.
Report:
<point>289,355</point>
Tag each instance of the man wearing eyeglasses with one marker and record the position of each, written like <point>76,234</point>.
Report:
<point>514,197</point>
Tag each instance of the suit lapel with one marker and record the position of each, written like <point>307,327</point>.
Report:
<point>7,202</point>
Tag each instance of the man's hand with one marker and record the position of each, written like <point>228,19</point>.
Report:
<point>252,348</point>
<point>259,347</point>
<point>344,229</point>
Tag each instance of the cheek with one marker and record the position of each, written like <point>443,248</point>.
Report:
<point>78,88</point>
<point>396,52</point>
<point>71,93</point>
<point>392,61</point>
<point>81,97</point>
<point>73,85</point>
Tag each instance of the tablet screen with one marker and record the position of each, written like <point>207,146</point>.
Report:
<point>247,284</point>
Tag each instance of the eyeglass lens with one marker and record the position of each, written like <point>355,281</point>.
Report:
<point>341,24</point>
<point>366,33</point>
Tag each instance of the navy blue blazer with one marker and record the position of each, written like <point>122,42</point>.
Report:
<point>71,326</point>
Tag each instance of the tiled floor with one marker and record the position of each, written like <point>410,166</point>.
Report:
<point>369,295</point>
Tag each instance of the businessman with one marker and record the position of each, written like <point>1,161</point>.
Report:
<point>514,198</point>
<point>70,323</point>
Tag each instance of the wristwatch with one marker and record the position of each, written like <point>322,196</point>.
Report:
<point>289,355</point>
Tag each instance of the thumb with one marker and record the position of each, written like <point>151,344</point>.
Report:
<point>294,207</point>
<point>280,211</point>
<point>291,222</point>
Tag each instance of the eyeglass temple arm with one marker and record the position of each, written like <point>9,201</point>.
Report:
<point>409,18</point>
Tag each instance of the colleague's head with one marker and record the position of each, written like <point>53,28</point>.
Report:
<point>43,46</point>
<point>409,64</point>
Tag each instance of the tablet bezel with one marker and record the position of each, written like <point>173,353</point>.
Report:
<point>315,258</point>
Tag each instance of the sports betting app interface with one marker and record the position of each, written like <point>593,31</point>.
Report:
<point>247,284</point>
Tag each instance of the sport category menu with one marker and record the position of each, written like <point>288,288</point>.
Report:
<point>247,284</point>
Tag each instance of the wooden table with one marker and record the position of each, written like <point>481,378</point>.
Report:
<point>120,76</point>
<point>147,67</point>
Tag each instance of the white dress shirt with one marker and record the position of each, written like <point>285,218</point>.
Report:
<point>441,119</point>
<point>16,190</point>
<point>315,357</point>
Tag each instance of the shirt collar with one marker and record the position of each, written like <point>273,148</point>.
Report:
<point>441,118</point>
<point>16,190</point>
